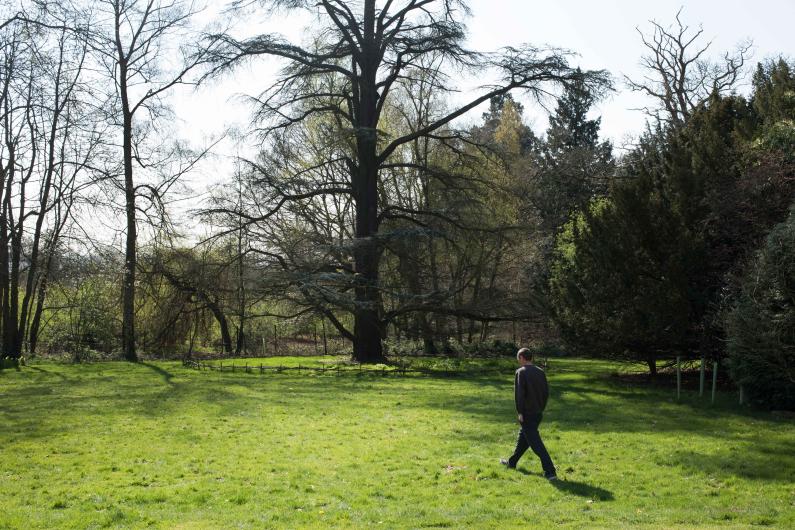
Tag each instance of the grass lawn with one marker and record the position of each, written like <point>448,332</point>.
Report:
<point>160,445</point>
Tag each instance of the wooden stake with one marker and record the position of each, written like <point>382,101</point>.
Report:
<point>701,380</point>
<point>714,379</point>
<point>678,376</point>
<point>325,342</point>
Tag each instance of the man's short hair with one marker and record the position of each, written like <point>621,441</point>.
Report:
<point>524,353</point>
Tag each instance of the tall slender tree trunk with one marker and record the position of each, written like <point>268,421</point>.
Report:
<point>13,330</point>
<point>44,203</point>
<point>35,325</point>
<point>128,283</point>
<point>5,281</point>
<point>240,346</point>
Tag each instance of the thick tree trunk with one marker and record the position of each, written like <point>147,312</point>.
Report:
<point>652,363</point>
<point>367,332</point>
<point>367,346</point>
<point>226,337</point>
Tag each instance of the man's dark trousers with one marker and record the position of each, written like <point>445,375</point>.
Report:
<point>529,437</point>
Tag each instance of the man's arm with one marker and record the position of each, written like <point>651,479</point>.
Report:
<point>520,386</point>
<point>545,396</point>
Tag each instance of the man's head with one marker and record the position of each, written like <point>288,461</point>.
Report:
<point>524,356</point>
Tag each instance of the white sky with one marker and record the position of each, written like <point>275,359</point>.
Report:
<point>602,33</point>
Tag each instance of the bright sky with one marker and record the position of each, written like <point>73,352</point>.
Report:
<point>602,32</point>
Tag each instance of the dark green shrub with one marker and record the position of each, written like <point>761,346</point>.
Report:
<point>761,325</point>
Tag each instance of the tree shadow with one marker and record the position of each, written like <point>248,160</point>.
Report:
<point>765,461</point>
<point>167,376</point>
<point>54,373</point>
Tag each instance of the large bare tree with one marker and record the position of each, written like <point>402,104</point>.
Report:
<point>346,72</point>
<point>678,74</point>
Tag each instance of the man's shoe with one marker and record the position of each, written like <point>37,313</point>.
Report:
<point>551,477</point>
<point>506,463</point>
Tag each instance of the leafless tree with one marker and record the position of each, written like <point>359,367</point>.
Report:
<point>136,42</point>
<point>678,73</point>
<point>46,143</point>
<point>346,74</point>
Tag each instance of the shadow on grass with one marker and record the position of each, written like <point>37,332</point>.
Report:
<point>763,461</point>
<point>582,489</point>
<point>167,376</point>
<point>54,373</point>
<point>579,403</point>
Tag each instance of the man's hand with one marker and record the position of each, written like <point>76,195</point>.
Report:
<point>521,419</point>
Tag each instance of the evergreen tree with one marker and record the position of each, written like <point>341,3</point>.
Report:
<point>620,281</point>
<point>569,127</point>
<point>650,272</point>
<point>505,117</point>
<point>774,104</point>
<point>774,92</point>
<point>573,165</point>
<point>761,325</point>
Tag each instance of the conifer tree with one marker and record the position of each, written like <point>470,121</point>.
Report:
<point>573,165</point>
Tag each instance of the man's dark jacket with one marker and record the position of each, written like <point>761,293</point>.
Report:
<point>531,390</point>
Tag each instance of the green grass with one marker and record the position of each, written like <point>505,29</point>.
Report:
<point>160,445</point>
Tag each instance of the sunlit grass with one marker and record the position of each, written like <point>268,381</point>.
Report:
<point>161,445</point>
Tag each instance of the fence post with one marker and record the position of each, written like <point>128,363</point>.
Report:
<point>741,394</point>
<point>275,341</point>
<point>325,343</point>
<point>701,379</point>
<point>714,379</point>
<point>678,376</point>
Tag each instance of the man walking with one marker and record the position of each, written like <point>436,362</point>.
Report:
<point>531,392</point>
